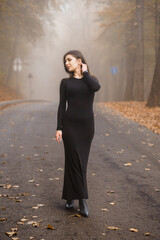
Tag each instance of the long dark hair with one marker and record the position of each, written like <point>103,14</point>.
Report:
<point>78,55</point>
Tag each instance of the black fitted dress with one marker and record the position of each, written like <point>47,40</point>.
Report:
<point>77,125</point>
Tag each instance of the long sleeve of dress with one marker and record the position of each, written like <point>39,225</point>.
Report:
<point>62,105</point>
<point>92,82</point>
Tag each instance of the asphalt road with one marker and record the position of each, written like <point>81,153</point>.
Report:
<point>123,178</point>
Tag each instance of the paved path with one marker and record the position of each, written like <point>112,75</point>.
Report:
<point>123,178</point>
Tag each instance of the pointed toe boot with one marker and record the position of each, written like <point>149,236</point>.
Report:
<point>69,204</point>
<point>83,207</point>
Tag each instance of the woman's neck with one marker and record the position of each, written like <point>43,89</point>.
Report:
<point>78,73</point>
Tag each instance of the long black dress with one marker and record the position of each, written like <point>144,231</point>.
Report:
<point>77,125</point>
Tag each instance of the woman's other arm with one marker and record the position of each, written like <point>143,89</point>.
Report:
<point>61,110</point>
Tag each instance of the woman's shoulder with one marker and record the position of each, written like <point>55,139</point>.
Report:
<point>64,80</point>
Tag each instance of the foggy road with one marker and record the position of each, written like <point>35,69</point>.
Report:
<point>123,178</point>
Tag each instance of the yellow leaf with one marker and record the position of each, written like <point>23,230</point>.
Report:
<point>128,164</point>
<point>14,229</point>
<point>24,220</point>
<point>10,234</point>
<point>133,230</point>
<point>147,234</point>
<point>112,228</point>
<point>3,219</point>
<point>105,210</point>
<point>50,227</point>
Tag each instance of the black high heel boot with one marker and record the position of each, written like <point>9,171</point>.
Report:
<point>83,207</point>
<point>69,204</point>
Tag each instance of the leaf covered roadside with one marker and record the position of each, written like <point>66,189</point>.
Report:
<point>7,93</point>
<point>137,111</point>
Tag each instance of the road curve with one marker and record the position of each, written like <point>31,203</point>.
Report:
<point>123,178</point>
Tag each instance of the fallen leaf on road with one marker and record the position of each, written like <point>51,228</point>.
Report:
<point>18,200</point>
<point>40,205</point>
<point>147,169</point>
<point>36,155</point>
<point>27,158</point>
<point>156,190</point>
<point>133,230</point>
<point>4,155</point>
<point>39,170</point>
<point>112,203</point>
<point>127,164</point>
<point>147,234</point>
<point>24,219</point>
<point>22,194</point>
<point>31,237</point>
<point>7,186</point>
<point>60,169</point>
<point>35,224</point>
<point>3,219</point>
<point>14,229</point>
<point>121,151</point>
<point>93,174</point>
<point>35,207</point>
<point>50,227</point>
<point>3,208</point>
<point>15,238</point>
<point>76,215</point>
<point>31,180</point>
<point>37,185</point>
<point>16,186</point>
<point>107,134</point>
<point>150,144</point>
<point>110,192</point>
<point>20,223</point>
<point>113,228</point>
<point>10,234</point>
<point>103,234</point>
<point>12,198</point>
<point>104,209</point>
<point>56,179</point>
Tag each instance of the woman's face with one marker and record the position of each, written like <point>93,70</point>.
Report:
<point>72,63</point>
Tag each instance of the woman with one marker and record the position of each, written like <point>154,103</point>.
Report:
<point>75,125</point>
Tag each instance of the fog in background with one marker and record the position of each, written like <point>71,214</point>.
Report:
<point>117,38</point>
<point>74,27</point>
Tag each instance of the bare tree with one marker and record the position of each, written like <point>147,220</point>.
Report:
<point>139,54</point>
<point>154,96</point>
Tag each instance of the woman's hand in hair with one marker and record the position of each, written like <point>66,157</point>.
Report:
<point>84,67</point>
<point>59,135</point>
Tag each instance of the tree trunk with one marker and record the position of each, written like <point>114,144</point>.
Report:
<point>130,61</point>
<point>139,60</point>
<point>154,96</point>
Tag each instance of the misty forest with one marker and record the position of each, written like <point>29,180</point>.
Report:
<point>120,40</point>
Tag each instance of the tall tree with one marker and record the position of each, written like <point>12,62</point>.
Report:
<point>139,57</point>
<point>154,96</point>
